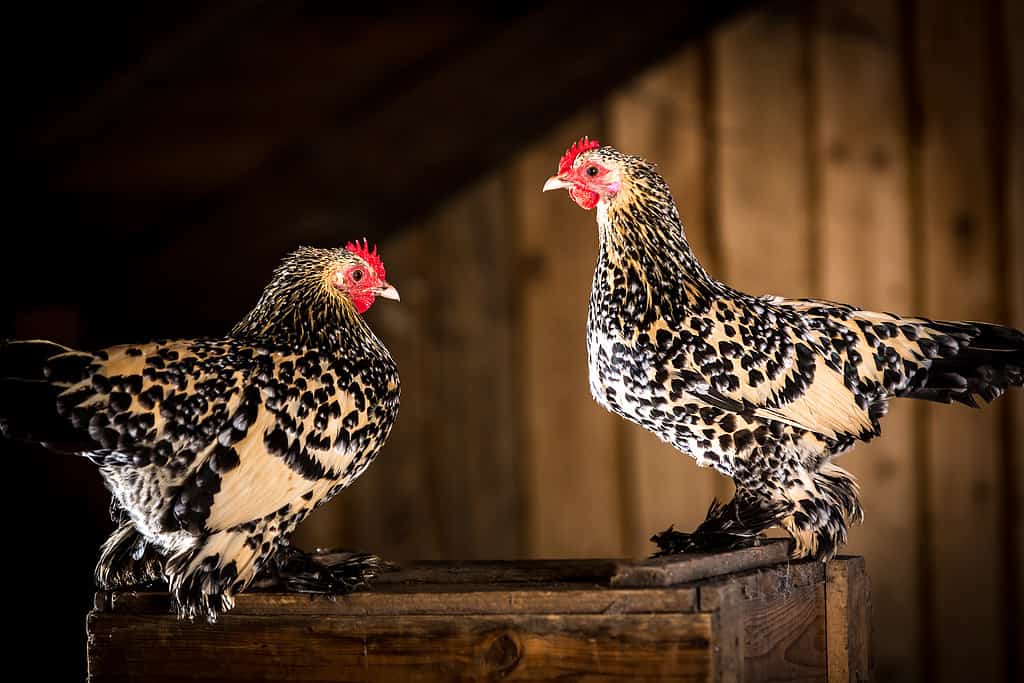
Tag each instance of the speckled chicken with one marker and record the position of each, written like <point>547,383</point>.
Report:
<point>215,449</point>
<point>766,390</point>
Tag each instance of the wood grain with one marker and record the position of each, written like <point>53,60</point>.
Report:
<point>763,175</point>
<point>785,638</point>
<point>574,493</point>
<point>661,116</point>
<point>548,598</point>
<point>415,648</point>
<point>866,259</point>
<point>769,623</point>
<point>959,250</point>
<point>848,616</point>
<point>475,453</point>
<point>681,569</point>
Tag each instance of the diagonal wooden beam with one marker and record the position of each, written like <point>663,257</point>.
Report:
<point>374,174</point>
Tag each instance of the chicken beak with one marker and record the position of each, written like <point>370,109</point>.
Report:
<point>388,292</point>
<point>556,183</point>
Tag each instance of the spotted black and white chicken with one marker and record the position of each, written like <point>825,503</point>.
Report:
<point>766,390</point>
<point>215,449</point>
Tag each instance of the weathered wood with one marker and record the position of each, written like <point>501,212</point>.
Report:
<point>784,637</point>
<point>679,569</point>
<point>730,591</point>
<point>761,131</point>
<point>866,253</point>
<point>769,623</point>
<point>534,620</point>
<point>574,492</point>
<point>662,116</point>
<point>958,243</point>
<point>848,614</point>
<point>547,598</point>
<point>417,648</point>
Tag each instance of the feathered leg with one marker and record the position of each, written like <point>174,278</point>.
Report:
<point>824,505</point>
<point>128,561</point>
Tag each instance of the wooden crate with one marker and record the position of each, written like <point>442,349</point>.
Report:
<point>741,616</point>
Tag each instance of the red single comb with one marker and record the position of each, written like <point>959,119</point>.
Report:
<point>581,146</point>
<point>371,257</point>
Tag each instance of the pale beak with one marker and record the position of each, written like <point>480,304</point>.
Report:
<point>556,183</point>
<point>388,292</point>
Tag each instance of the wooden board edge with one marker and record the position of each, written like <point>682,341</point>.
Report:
<point>681,569</point>
<point>848,620</point>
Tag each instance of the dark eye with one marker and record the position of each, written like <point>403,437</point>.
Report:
<point>357,274</point>
<point>592,171</point>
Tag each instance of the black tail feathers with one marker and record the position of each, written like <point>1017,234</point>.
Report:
<point>32,376</point>
<point>971,360</point>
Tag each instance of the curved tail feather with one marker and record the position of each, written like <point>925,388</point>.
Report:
<point>972,360</point>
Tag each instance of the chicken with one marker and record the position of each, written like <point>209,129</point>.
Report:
<point>215,449</point>
<point>766,390</point>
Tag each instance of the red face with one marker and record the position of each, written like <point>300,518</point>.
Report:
<point>363,280</point>
<point>588,178</point>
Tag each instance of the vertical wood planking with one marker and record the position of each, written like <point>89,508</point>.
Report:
<point>959,250</point>
<point>476,458</point>
<point>393,509</point>
<point>865,259</point>
<point>660,116</point>
<point>763,196</point>
<point>574,496</point>
<point>1015,285</point>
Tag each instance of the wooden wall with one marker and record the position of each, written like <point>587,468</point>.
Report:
<point>865,150</point>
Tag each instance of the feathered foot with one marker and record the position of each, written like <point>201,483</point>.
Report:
<point>727,527</point>
<point>128,561</point>
<point>322,572</point>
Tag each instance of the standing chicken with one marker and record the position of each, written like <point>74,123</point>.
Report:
<point>764,389</point>
<point>215,449</point>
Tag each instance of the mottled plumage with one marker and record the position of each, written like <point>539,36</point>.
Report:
<point>766,390</point>
<point>215,449</point>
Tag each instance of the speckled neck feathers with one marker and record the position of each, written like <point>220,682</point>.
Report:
<point>301,308</point>
<point>643,245</point>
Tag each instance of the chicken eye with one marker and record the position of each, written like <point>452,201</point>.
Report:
<point>357,274</point>
<point>592,171</point>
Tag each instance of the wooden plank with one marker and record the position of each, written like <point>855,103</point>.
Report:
<point>418,648</point>
<point>762,193</point>
<point>661,116</point>
<point>725,592</point>
<point>679,569</point>
<point>958,243</point>
<point>769,623</point>
<point>475,455</point>
<point>356,170</point>
<point>401,599</point>
<point>866,259</point>
<point>784,638</point>
<point>574,493</point>
<point>848,621</point>
<point>1015,291</point>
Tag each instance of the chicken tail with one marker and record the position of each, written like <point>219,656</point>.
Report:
<point>969,360</point>
<point>33,374</point>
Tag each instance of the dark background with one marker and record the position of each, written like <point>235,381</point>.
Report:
<point>166,156</point>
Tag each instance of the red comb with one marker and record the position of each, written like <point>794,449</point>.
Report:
<point>581,146</point>
<point>371,257</point>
